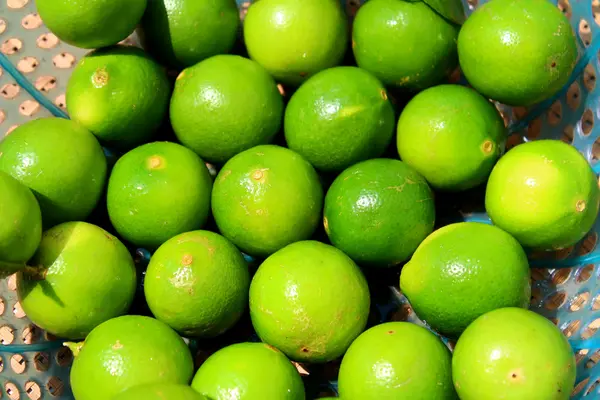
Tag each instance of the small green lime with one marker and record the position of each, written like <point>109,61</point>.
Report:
<point>61,162</point>
<point>160,391</point>
<point>157,191</point>
<point>91,24</point>
<point>518,52</point>
<point>247,199</point>
<point>296,39</point>
<point>125,352</point>
<point>120,95</point>
<point>378,212</point>
<point>81,277</point>
<point>225,105</point>
<point>544,193</point>
<point>310,301</point>
<point>339,117</point>
<point>513,354</point>
<point>249,371</point>
<point>396,360</point>
<point>197,283</point>
<point>405,44</point>
<point>462,271</point>
<point>180,33</point>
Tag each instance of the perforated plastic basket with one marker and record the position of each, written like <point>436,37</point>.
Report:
<point>35,71</point>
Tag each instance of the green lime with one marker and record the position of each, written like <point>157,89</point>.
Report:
<point>157,191</point>
<point>513,354</point>
<point>61,162</point>
<point>339,117</point>
<point>396,360</point>
<point>247,199</point>
<point>452,135</point>
<point>249,371</point>
<point>310,301</point>
<point>180,33</point>
<point>91,24</point>
<point>81,276</point>
<point>160,391</point>
<point>518,52</point>
<point>197,283</point>
<point>125,352</point>
<point>405,44</point>
<point>296,39</point>
<point>378,212</point>
<point>225,105</point>
<point>544,193</point>
<point>120,95</point>
<point>462,271</point>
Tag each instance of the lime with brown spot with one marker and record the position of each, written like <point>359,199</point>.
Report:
<point>157,191</point>
<point>126,352</point>
<point>518,52</point>
<point>339,117</point>
<point>197,283</point>
<point>309,300</point>
<point>160,391</point>
<point>266,198</point>
<point>249,371</point>
<point>512,353</point>
<point>544,193</point>
<point>452,135</point>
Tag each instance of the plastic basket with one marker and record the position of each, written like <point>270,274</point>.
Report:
<point>565,290</point>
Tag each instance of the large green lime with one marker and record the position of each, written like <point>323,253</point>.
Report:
<point>378,212</point>
<point>249,371</point>
<point>405,44</point>
<point>396,360</point>
<point>225,105</point>
<point>160,391</point>
<point>266,198</point>
<point>544,193</point>
<point>81,277</point>
<point>61,162</point>
<point>296,39</point>
<point>157,191</point>
<point>452,135</point>
<point>462,271</point>
<point>125,352</point>
<point>310,301</point>
<point>339,117</point>
<point>518,52</point>
<point>513,354</point>
<point>120,95</point>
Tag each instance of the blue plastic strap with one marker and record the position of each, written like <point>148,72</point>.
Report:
<point>25,348</point>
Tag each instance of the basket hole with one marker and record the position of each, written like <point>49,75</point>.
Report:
<point>585,32</point>
<point>10,91</point>
<point>55,386</point>
<point>573,96</point>
<point>555,301</point>
<point>513,140</point>
<point>555,321</point>
<point>1,364</point>
<point>536,296</point>
<point>579,301</point>
<point>560,276</point>
<point>12,391</point>
<point>18,310</point>
<point>580,386</point>
<point>572,328</point>
<point>6,335</point>
<point>567,135</point>
<point>2,114</point>
<point>592,388</point>
<point>473,4</point>
<point>33,390</point>
<point>11,46</point>
<point>539,274</point>
<point>591,329</point>
<point>519,112</point>
<point>49,337</point>
<point>565,7</point>
<point>30,334</point>
<point>47,41</point>
<point>2,306</point>
<point>2,26</point>
<point>41,361</point>
<point>29,108</point>
<point>60,101</point>
<point>589,77</point>
<point>18,363</point>
<point>589,244</point>
<point>63,60</point>
<point>64,356</point>
<point>580,355</point>
<point>585,273</point>
<point>593,360</point>
<point>554,113</point>
<point>11,283</point>
<point>27,64</point>
<point>45,83</point>
<point>534,129</point>
<point>402,313</point>
<point>587,122</point>
<point>31,21</point>
<point>563,253</point>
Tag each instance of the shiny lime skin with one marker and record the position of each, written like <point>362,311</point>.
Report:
<point>61,162</point>
<point>378,212</point>
<point>160,391</point>
<point>403,43</point>
<point>396,360</point>
<point>544,193</point>
<point>339,117</point>
<point>513,354</point>
<point>197,283</point>
<point>452,136</point>
<point>91,24</point>
<point>296,39</point>
<point>225,105</point>
<point>249,371</point>
<point>462,271</point>
<point>86,276</point>
<point>518,52</point>
<point>120,95</point>
<point>20,221</point>
<point>129,351</point>
<point>310,301</point>
<point>157,191</point>
<point>181,33</point>
<point>247,199</point>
